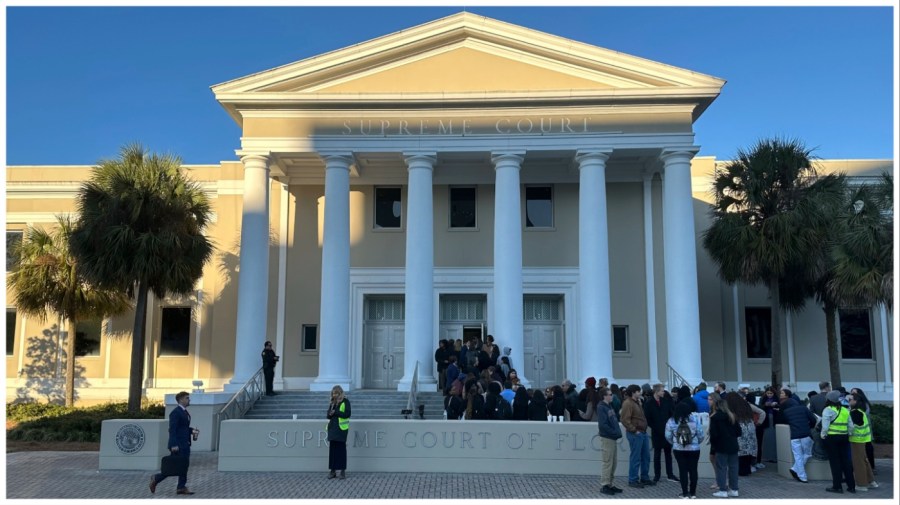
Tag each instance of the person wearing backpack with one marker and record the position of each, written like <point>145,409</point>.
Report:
<point>684,432</point>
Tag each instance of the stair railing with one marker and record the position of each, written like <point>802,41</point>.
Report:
<point>241,402</point>
<point>675,378</point>
<point>413,391</point>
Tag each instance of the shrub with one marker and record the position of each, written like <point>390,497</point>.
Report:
<point>55,423</point>
<point>883,423</point>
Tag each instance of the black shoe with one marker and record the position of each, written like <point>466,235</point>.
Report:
<point>648,482</point>
<point>794,475</point>
<point>673,478</point>
<point>834,490</point>
<point>332,475</point>
<point>607,490</point>
<point>615,489</point>
<point>342,476</point>
<point>851,491</point>
<point>184,490</point>
<point>636,484</point>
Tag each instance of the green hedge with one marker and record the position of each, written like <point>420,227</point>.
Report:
<point>883,423</point>
<point>56,423</point>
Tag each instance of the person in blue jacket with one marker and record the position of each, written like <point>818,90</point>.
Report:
<point>701,398</point>
<point>180,434</point>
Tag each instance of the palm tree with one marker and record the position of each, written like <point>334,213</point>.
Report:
<point>141,230</point>
<point>48,280</point>
<point>768,218</point>
<point>858,264</point>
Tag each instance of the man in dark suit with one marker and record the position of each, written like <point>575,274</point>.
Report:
<point>180,434</point>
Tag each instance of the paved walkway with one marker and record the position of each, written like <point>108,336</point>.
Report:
<point>58,475</point>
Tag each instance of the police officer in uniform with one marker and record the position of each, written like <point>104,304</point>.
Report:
<point>269,359</point>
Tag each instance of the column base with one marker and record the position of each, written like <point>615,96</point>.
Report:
<point>326,383</point>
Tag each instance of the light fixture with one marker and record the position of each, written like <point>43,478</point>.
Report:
<point>198,385</point>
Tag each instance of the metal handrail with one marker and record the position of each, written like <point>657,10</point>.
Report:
<point>675,378</point>
<point>242,401</point>
<point>413,390</point>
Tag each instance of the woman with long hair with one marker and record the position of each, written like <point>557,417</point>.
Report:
<point>747,442</point>
<point>338,426</point>
<point>765,433</point>
<point>557,403</point>
<point>859,436</point>
<point>475,402</point>
<point>520,404</point>
<point>592,402</point>
<point>836,429</point>
<point>686,449</point>
<point>861,398</point>
<point>724,432</point>
<point>513,377</point>
<point>537,408</point>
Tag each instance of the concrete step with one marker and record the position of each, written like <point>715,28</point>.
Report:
<point>367,404</point>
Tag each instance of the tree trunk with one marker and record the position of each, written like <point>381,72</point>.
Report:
<point>136,378</point>
<point>776,333</point>
<point>70,362</point>
<point>834,360</point>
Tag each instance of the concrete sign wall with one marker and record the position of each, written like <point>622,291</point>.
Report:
<point>530,447</point>
<point>133,444</point>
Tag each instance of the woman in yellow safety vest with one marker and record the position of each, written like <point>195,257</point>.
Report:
<point>836,429</point>
<point>338,426</point>
<point>859,437</point>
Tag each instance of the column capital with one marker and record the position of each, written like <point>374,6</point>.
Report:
<point>420,160</point>
<point>678,154</point>
<point>254,158</point>
<point>592,157</point>
<point>503,159</point>
<point>337,160</point>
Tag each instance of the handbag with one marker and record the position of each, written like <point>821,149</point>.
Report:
<point>173,465</point>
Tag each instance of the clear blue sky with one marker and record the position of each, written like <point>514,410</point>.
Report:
<point>81,82</point>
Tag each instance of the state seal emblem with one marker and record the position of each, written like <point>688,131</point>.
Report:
<point>130,438</point>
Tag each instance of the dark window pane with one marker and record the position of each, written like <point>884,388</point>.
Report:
<point>309,337</point>
<point>462,207</point>
<point>10,331</point>
<point>387,207</point>
<point>759,331</point>
<point>539,207</point>
<point>13,238</point>
<point>620,338</point>
<point>856,336</point>
<point>175,337</point>
<point>87,338</point>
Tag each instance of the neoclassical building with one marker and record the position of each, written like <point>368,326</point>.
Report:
<point>459,178</point>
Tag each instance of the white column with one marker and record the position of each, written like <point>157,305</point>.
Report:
<point>419,323</point>
<point>283,226</point>
<point>253,277</point>
<point>508,315</point>
<point>651,281</point>
<point>334,318</point>
<point>679,242</point>
<point>595,329</point>
<point>886,349</point>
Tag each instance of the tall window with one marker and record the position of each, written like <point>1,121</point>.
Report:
<point>758,321</point>
<point>620,338</point>
<point>388,207</point>
<point>175,335</point>
<point>856,334</point>
<point>310,338</point>
<point>462,208</point>
<point>87,338</point>
<point>538,207</point>
<point>10,331</point>
<point>13,238</point>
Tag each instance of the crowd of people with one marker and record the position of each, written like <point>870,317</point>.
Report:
<point>739,426</point>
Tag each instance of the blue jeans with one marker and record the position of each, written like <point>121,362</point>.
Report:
<point>639,444</point>
<point>727,469</point>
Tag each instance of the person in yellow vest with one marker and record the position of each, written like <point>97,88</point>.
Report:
<point>859,437</point>
<point>338,426</point>
<point>836,429</point>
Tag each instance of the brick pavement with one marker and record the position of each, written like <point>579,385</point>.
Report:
<point>60,475</point>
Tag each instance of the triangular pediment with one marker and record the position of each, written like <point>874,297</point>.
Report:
<point>465,57</point>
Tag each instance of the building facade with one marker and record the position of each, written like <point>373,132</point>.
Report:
<point>460,178</point>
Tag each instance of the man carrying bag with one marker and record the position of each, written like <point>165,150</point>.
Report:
<point>180,434</point>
